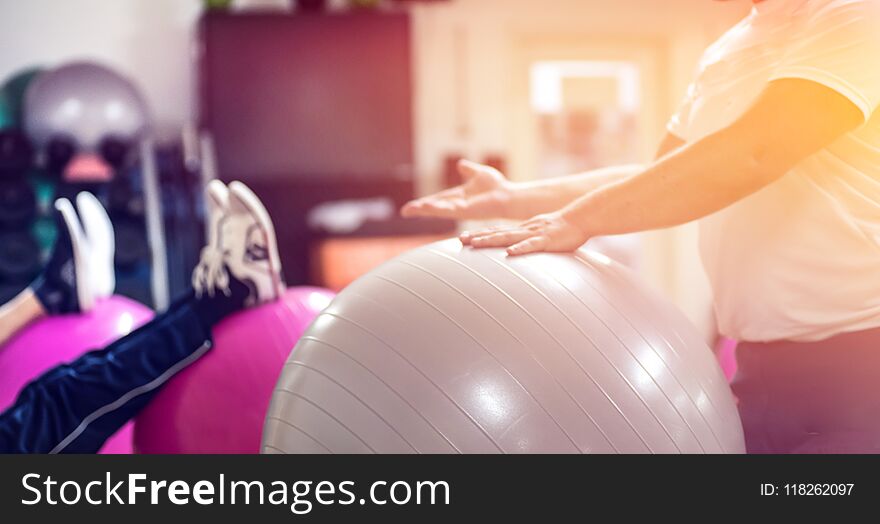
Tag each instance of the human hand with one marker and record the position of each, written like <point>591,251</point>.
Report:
<point>551,232</point>
<point>485,193</point>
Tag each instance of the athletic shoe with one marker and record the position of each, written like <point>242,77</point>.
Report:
<point>64,286</point>
<point>101,243</point>
<point>250,248</point>
<point>210,274</point>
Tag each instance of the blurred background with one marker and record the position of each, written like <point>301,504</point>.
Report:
<point>336,112</point>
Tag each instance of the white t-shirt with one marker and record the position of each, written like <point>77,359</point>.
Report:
<point>800,259</point>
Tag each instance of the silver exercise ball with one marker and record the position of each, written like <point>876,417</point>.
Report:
<point>454,350</point>
<point>86,102</point>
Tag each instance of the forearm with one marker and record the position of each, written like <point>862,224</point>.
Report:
<point>695,181</point>
<point>542,196</point>
<point>18,313</point>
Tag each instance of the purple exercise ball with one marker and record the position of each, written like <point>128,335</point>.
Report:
<point>52,341</point>
<point>218,404</point>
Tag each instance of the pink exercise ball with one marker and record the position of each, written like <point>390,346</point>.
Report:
<point>51,341</point>
<point>218,403</point>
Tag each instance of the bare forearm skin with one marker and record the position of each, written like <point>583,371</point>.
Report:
<point>543,196</point>
<point>710,174</point>
<point>18,313</point>
<point>528,199</point>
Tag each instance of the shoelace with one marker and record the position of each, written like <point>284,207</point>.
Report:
<point>211,273</point>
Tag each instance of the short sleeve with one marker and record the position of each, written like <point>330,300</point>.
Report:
<point>678,123</point>
<point>838,46</point>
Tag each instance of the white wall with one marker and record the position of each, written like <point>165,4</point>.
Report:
<point>148,40</point>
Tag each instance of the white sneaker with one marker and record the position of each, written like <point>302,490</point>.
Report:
<point>210,274</point>
<point>74,272</point>
<point>101,244</point>
<point>218,205</point>
<point>249,245</point>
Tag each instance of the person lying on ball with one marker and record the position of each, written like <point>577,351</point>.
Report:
<point>77,406</point>
<point>776,151</point>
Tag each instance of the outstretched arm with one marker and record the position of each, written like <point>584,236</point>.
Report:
<point>790,120</point>
<point>487,194</point>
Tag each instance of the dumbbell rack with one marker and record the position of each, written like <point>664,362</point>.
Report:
<point>20,252</point>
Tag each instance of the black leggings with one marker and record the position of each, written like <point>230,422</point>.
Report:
<point>75,407</point>
<point>811,397</point>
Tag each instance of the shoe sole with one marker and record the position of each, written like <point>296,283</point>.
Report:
<point>84,297</point>
<point>97,225</point>
<point>217,195</point>
<point>254,206</point>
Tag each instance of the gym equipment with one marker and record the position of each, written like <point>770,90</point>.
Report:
<point>86,101</point>
<point>84,110</point>
<point>5,111</point>
<point>51,341</point>
<point>218,403</point>
<point>19,256</point>
<point>449,349</point>
<point>16,153</point>
<point>14,89</point>
<point>59,152</point>
<point>18,203</point>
